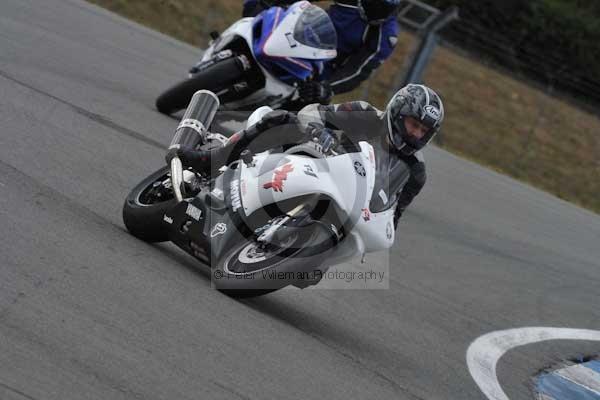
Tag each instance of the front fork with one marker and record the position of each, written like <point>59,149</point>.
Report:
<point>268,235</point>
<point>298,218</point>
<point>177,179</point>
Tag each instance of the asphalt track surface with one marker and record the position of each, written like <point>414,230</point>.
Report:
<point>89,312</point>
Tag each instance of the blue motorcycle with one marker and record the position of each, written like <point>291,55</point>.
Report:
<point>259,61</point>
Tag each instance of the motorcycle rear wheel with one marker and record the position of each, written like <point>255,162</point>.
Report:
<point>145,207</point>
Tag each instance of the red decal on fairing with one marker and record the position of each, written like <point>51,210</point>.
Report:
<point>366,214</point>
<point>278,178</point>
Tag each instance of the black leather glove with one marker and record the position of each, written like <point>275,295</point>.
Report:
<point>315,92</point>
<point>179,152</point>
<point>198,160</point>
<point>325,138</point>
<point>275,118</point>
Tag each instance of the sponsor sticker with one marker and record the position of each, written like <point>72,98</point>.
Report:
<point>309,171</point>
<point>218,229</point>
<point>193,211</point>
<point>383,196</point>
<point>291,41</point>
<point>236,201</point>
<point>359,168</point>
<point>279,176</point>
<point>366,214</point>
<point>168,220</point>
<point>433,112</point>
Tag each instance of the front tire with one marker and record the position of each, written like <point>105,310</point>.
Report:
<point>144,210</point>
<point>248,270</point>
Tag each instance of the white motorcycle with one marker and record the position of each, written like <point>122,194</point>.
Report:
<point>265,221</point>
<point>259,61</point>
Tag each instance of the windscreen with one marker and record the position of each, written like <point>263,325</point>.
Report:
<point>315,29</point>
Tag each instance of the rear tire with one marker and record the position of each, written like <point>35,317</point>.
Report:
<point>144,218</point>
<point>214,78</point>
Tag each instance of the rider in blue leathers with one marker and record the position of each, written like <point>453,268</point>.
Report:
<point>367,31</point>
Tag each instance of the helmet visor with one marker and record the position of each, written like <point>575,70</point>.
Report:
<point>315,29</point>
<point>410,132</point>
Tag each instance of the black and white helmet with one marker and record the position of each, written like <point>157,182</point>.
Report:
<point>421,103</point>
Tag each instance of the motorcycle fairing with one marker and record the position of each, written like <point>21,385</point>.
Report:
<point>280,72</point>
<point>285,68</point>
<point>275,91</point>
<point>276,178</point>
<point>276,49</point>
<point>241,28</point>
<point>205,226</point>
<point>284,41</point>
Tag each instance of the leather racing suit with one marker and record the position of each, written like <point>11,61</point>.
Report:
<point>398,179</point>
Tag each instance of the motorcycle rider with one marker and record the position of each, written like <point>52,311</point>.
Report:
<point>410,121</point>
<point>367,32</point>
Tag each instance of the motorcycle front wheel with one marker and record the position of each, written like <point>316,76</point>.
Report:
<point>215,78</point>
<point>252,269</point>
